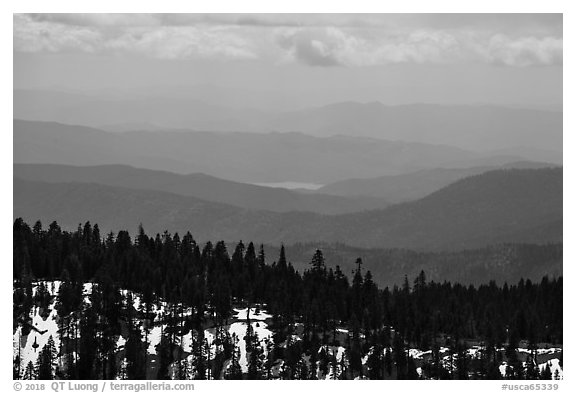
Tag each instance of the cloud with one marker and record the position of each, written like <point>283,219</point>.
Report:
<point>525,51</point>
<point>498,23</point>
<point>150,20</point>
<point>32,34</point>
<point>48,37</point>
<point>183,42</point>
<point>332,46</point>
<point>312,47</point>
<point>321,40</point>
<point>97,20</point>
<point>337,47</point>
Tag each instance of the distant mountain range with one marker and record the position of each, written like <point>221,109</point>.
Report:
<point>495,207</point>
<point>480,127</point>
<point>200,186</point>
<point>471,127</point>
<point>416,185</point>
<point>142,113</point>
<point>243,157</point>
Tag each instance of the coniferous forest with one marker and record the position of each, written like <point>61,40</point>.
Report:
<point>92,305</point>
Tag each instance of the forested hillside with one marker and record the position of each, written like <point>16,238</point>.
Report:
<point>499,262</point>
<point>169,307</point>
<point>415,185</point>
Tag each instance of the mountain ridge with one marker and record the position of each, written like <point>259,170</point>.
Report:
<point>198,185</point>
<point>415,185</point>
<point>493,207</point>
<point>473,127</point>
<point>243,157</point>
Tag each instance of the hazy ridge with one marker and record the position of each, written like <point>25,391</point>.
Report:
<point>495,207</point>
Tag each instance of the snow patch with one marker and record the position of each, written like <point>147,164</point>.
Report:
<point>244,313</point>
<point>554,368</point>
<point>44,328</point>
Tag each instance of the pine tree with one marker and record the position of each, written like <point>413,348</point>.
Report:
<point>135,360</point>
<point>546,373</point>
<point>343,369</point>
<point>282,263</point>
<point>261,257</point>
<point>89,344</point>
<point>411,372</point>
<point>269,359</point>
<point>234,370</point>
<point>208,352</point>
<point>461,361</point>
<point>164,350</point>
<point>334,365</point>
<point>532,370</point>
<point>375,363</point>
<point>199,362</point>
<point>255,361</point>
<point>318,263</point>
<point>44,364</point>
<point>388,362</point>
<point>302,370</point>
<point>514,368</point>
<point>30,372</point>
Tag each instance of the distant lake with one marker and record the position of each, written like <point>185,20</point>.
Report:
<point>291,185</point>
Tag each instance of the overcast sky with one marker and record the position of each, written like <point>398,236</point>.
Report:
<point>510,59</point>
